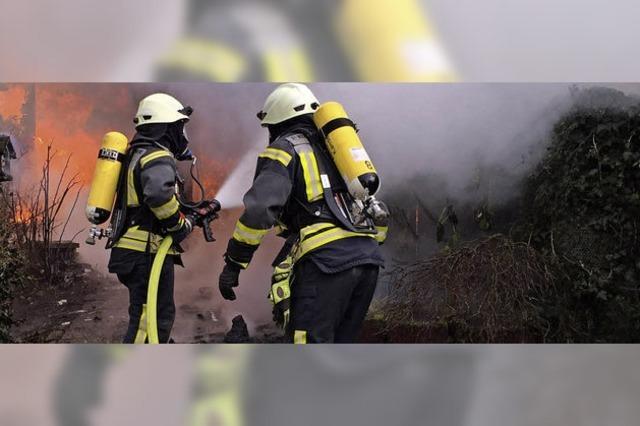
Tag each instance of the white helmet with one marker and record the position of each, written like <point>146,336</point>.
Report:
<point>161,108</point>
<point>287,101</point>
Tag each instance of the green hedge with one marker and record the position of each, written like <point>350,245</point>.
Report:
<point>12,271</point>
<point>581,209</point>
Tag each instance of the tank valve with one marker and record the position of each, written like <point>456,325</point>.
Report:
<point>377,211</point>
<point>99,233</point>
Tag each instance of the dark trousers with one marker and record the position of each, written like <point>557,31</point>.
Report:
<point>137,281</point>
<point>329,308</point>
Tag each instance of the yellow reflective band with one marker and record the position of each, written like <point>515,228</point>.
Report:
<point>136,239</point>
<point>136,233</point>
<point>204,57</point>
<point>135,245</point>
<point>311,175</point>
<point>248,235</point>
<point>300,337</point>
<point>311,229</point>
<point>166,210</point>
<point>381,236</point>
<point>330,235</point>
<point>287,65</point>
<point>126,243</point>
<point>153,156</point>
<point>323,238</point>
<point>277,155</point>
<point>132,195</point>
<point>141,335</point>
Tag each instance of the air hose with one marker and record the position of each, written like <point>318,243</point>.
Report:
<point>152,292</point>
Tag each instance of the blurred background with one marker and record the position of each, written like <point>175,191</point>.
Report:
<point>320,40</point>
<point>364,385</point>
<point>465,148</point>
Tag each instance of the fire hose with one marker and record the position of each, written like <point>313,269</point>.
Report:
<point>152,292</point>
<point>204,213</point>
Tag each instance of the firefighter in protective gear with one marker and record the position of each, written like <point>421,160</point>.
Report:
<point>147,209</point>
<point>335,270</point>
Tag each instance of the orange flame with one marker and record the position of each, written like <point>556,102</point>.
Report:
<point>23,215</point>
<point>11,102</point>
<point>74,117</point>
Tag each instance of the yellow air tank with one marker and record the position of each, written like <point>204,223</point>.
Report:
<point>106,176</point>
<point>347,151</point>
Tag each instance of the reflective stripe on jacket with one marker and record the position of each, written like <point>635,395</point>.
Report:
<point>287,191</point>
<point>151,194</point>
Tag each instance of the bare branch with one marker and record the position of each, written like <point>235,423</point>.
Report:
<point>73,206</point>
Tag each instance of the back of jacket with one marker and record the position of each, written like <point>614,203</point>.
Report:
<point>288,192</point>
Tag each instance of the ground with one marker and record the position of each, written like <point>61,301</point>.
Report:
<point>92,308</point>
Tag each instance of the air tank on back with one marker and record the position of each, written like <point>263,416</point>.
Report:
<point>106,177</point>
<point>347,151</point>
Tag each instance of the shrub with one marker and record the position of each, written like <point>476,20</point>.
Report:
<point>580,209</point>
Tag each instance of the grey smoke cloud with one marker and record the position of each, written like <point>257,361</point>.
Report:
<point>442,131</point>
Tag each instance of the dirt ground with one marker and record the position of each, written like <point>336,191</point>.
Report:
<point>93,309</point>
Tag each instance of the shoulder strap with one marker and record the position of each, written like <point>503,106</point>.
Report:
<point>134,171</point>
<point>297,140</point>
<point>304,148</point>
<point>119,217</point>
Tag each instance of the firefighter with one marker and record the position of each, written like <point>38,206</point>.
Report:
<point>335,270</point>
<point>147,209</point>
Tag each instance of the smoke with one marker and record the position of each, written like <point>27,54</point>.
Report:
<point>449,131</point>
<point>231,192</point>
<point>420,135</point>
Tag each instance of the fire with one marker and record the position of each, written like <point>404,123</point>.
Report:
<point>74,117</point>
<point>12,101</point>
<point>23,215</point>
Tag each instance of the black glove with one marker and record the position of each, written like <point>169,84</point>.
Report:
<point>228,280</point>
<point>181,233</point>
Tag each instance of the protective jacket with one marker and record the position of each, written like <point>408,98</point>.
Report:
<point>148,203</point>
<point>288,192</point>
